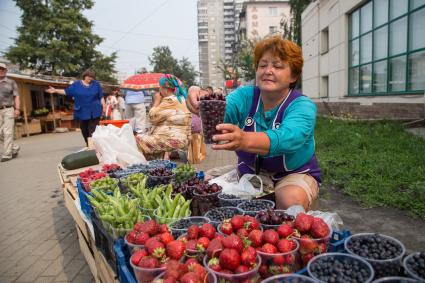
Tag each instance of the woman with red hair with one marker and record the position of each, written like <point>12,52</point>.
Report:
<point>271,125</point>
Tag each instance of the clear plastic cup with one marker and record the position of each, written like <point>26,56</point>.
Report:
<point>312,246</point>
<point>192,220</point>
<point>165,220</point>
<point>279,263</point>
<point>159,180</point>
<point>250,212</point>
<point>407,268</point>
<point>127,183</point>
<point>219,211</point>
<point>395,279</point>
<point>229,202</point>
<point>211,278</point>
<point>385,267</point>
<point>271,226</point>
<point>106,188</point>
<point>146,275</point>
<point>148,211</point>
<point>235,278</point>
<point>202,203</point>
<point>289,278</point>
<point>340,256</point>
<point>211,113</point>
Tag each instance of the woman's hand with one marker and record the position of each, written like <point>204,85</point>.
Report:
<point>51,90</point>
<point>234,137</point>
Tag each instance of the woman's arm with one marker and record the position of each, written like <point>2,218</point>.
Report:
<point>53,90</point>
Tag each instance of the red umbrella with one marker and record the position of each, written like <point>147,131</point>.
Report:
<point>232,83</point>
<point>142,81</point>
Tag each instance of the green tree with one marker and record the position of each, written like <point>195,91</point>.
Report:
<point>292,27</point>
<point>55,38</point>
<point>163,61</point>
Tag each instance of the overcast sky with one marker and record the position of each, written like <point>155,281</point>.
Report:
<point>131,27</point>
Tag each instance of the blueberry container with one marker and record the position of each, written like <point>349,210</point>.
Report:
<point>251,207</point>
<point>179,227</point>
<point>382,267</point>
<point>316,268</point>
<point>203,203</point>
<point>229,201</point>
<point>289,278</point>
<point>413,268</point>
<point>395,279</point>
<point>219,214</point>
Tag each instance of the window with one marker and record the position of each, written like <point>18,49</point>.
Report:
<point>324,41</point>
<point>273,11</point>
<point>387,48</point>
<point>324,90</point>
<point>273,29</point>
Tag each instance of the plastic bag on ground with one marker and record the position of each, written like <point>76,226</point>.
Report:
<point>117,145</point>
<point>241,188</point>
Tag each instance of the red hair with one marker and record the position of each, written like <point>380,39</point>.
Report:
<point>285,49</point>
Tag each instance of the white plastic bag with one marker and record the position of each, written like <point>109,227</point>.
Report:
<point>241,188</point>
<point>117,145</point>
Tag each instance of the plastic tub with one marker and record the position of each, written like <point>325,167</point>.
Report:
<point>211,278</point>
<point>311,267</point>
<point>217,216</point>
<point>187,221</point>
<point>116,123</point>
<point>235,278</point>
<point>279,263</point>
<point>229,202</point>
<point>127,183</point>
<point>271,226</point>
<point>132,247</point>
<point>383,268</point>
<point>313,246</point>
<point>395,279</point>
<point>159,180</point>
<point>289,278</point>
<point>202,203</point>
<point>408,268</point>
<point>105,188</point>
<point>250,212</point>
<point>146,275</point>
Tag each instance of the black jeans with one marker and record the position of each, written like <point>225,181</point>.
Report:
<point>87,128</point>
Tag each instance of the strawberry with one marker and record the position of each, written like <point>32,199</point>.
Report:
<point>150,227</point>
<point>175,249</point>
<point>319,228</point>
<point>190,277</point>
<point>198,269</point>
<point>249,256</point>
<point>251,223</point>
<point>141,238</point>
<point>279,260</point>
<point>285,245</point>
<point>241,269</point>
<point>263,270</point>
<point>214,264</point>
<point>175,269</point>
<point>138,226</point>
<point>203,243</point>
<point>163,228</point>
<point>271,236</point>
<point>207,230</point>
<point>131,237</point>
<point>230,259</point>
<point>284,230</point>
<point>268,249</point>
<point>192,232</point>
<point>237,222</point>
<point>214,247</point>
<point>303,222</point>
<point>233,242</point>
<point>289,259</point>
<point>307,244</point>
<point>256,237</point>
<point>191,245</point>
<point>242,232</point>
<point>148,262</point>
<point>306,258</point>
<point>166,237</point>
<point>155,248</point>
<point>226,228</point>
<point>169,280</point>
<point>137,256</point>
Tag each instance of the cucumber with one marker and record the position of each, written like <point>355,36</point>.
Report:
<point>80,159</point>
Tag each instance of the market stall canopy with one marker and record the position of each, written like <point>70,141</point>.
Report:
<point>142,81</point>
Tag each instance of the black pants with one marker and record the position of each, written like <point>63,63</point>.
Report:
<point>87,128</point>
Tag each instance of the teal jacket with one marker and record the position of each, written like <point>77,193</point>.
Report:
<point>294,138</point>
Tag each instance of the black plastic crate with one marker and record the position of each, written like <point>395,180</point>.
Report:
<point>104,242</point>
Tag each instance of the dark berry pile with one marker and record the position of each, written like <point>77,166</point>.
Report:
<point>206,189</point>
<point>228,196</point>
<point>160,172</point>
<point>416,264</point>
<point>212,114</point>
<point>273,217</point>
<point>252,206</point>
<point>222,213</point>
<point>161,163</point>
<point>181,224</point>
<point>339,269</point>
<point>375,247</point>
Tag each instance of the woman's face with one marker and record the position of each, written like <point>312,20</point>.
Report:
<point>273,74</point>
<point>87,79</point>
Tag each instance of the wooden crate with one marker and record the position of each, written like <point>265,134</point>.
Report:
<point>87,252</point>
<point>104,270</point>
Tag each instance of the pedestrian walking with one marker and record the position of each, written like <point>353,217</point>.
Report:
<point>9,109</point>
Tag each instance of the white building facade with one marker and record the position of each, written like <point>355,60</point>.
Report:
<point>366,58</point>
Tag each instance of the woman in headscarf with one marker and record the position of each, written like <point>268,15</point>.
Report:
<point>170,119</point>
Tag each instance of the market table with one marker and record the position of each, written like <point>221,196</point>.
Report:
<point>101,270</point>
